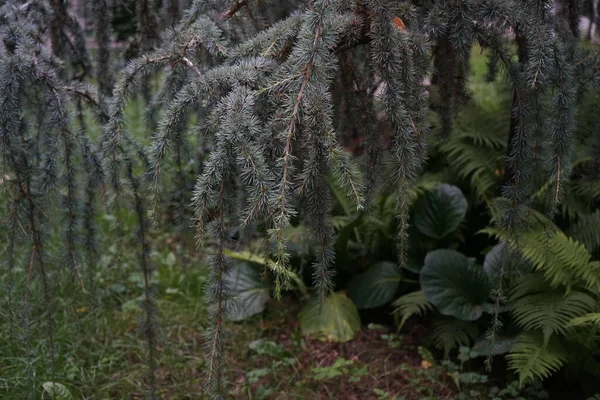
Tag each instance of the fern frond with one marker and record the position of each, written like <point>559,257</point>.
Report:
<point>587,190</point>
<point>476,149</point>
<point>587,319</point>
<point>531,359</point>
<point>411,304</point>
<point>562,260</point>
<point>449,334</point>
<point>549,311</point>
<point>586,231</point>
<point>475,164</point>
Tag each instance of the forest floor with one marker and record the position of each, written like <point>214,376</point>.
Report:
<point>266,356</point>
<point>275,362</point>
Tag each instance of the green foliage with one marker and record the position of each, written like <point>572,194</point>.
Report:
<point>336,318</point>
<point>561,259</point>
<point>449,334</point>
<point>339,368</point>
<point>57,391</point>
<point>247,290</point>
<point>548,310</point>
<point>475,151</point>
<point>474,385</point>
<point>592,318</point>
<point>440,212</point>
<point>375,287</point>
<point>455,285</point>
<point>483,346</point>
<point>258,115</point>
<point>533,356</point>
<point>411,304</point>
<point>586,231</point>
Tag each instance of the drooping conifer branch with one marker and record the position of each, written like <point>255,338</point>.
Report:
<point>93,184</point>
<point>316,38</point>
<point>149,319</point>
<point>72,208</point>
<point>68,38</point>
<point>217,296</point>
<point>403,107</point>
<point>453,29</point>
<point>313,187</point>
<point>103,65</point>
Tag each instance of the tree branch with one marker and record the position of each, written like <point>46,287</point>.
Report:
<point>234,9</point>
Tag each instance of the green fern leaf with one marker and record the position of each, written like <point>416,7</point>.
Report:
<point>586,231</point>
<point>411,304</point>
<point>571,263</point>
<point>531,359</point>
<point>449,334</point>
<point>476,149</point>
<point>562,260</point>
<point>591,318</point>
<point>549,311</point>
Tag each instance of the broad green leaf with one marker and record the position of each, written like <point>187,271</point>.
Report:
<point>495,260</point>
<point>455,285</point>
<point>376,286</point>
<point>413,266</point>
<point>250,294</point>
<point>499,258</point>
<point>440,211</point>
<point>483,346</point>
<point>335,319</point>
<point>57,391</point>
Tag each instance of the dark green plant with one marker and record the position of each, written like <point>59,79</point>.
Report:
<point>262,96</point>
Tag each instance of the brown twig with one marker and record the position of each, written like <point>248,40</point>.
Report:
<point>234,9</point>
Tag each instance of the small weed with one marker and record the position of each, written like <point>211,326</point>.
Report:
<point>340,367</point>
<point>383,395</point>
<point>394,340</point>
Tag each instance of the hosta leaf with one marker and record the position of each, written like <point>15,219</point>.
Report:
<point>248,290</point>
<point>376,286</point>
<point>440,211</point>
<point>498,258</point>
<point>336,319</point>
<point>413,266</point>
<point>455,285</point>
<point>502,345</point>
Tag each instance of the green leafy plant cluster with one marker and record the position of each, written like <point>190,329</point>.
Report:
<point>549,307</point>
